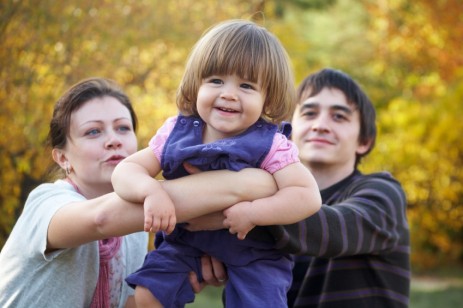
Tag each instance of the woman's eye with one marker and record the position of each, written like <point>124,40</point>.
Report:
<point>92,132</point>
<point>124,128</point>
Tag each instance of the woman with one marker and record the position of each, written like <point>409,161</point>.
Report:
<point>70,247</point>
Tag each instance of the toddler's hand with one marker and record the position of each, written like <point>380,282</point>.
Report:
<point>159,214</point>
<point>238,220</point>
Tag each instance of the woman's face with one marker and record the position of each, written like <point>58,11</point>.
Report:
<point>101,135</point>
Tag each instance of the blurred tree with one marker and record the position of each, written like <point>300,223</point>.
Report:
<point>406,54</point>
<point>419,59</point>
<point>48,46</point>
<point>425,145</point>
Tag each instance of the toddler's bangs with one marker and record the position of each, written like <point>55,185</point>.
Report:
<point>242,54</point>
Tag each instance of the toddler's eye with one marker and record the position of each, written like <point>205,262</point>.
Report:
<point>215,81</point>
<point>247,86</point>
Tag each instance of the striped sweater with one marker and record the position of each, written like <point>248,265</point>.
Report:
<point>355,252</point>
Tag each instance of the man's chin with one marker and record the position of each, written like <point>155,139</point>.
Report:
<point>315,159</point>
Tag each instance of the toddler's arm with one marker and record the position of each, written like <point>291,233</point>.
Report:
<point>133,180</point>
<point>208,192</point>
<point>298,197</point>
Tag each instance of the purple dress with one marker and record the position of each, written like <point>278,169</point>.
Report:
<point>259,275</point>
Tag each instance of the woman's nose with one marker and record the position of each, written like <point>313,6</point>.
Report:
<point>113,141</point>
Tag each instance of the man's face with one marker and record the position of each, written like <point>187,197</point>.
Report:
<point>326,130</point>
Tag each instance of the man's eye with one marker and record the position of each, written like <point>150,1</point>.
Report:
<point>339,117</point>
<point>310,114</point>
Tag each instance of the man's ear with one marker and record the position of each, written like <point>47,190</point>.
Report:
<point>60,158</point>
<point>363,148</point>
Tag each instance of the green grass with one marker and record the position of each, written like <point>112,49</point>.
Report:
<point>449,297</point>
<point>210,297</point>
<point>438,290</point>
<point>426,292</point>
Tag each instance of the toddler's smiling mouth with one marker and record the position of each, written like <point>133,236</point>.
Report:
<point>226,109</point>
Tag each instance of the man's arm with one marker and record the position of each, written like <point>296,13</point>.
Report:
<point>367,217</point>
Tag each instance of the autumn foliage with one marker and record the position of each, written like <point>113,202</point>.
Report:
<point>406,54</point>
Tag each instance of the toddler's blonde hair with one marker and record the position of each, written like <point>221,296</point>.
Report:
<point>248,50</point>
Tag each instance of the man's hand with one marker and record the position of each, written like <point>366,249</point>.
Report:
<point>190,168</point>
<point>212,221</point>
<point>214,274</point>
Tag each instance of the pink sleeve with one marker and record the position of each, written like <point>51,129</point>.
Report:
<point>283,153</point>
<point>157,142</point>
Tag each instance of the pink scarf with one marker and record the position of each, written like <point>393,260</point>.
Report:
<point>108,249</point>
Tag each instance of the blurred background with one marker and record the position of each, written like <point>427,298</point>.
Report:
<point>407,55</point>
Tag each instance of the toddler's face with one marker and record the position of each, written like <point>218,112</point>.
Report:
<point>229,105</point>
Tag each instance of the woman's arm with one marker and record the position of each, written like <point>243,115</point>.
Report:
<point>195,195</point>
<point>82,222</point>
<point>133,180</point>
<point>213,191</point>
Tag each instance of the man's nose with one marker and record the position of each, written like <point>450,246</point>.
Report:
<point>321,123</point>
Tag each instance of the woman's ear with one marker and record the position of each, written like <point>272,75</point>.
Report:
<point>60,158</point>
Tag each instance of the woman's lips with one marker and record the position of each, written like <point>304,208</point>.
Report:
<point>114,160</point>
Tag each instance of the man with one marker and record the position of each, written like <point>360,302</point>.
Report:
<point>357,246</point>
